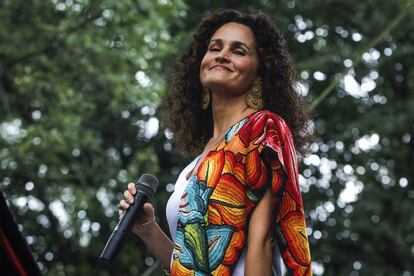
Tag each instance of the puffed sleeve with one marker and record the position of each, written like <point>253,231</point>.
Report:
<point>272,162</point>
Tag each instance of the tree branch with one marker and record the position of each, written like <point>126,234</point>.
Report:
<point>357,57</point>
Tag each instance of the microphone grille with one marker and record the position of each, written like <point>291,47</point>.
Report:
<point>149,181</point>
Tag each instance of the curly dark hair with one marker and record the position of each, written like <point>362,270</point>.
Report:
<point>193,126</point>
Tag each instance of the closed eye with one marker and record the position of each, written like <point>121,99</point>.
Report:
<point>214,49</point>
<point>239,53</point>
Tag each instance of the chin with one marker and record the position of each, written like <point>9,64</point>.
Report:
<point>216,85</point>
<point>213,82</point>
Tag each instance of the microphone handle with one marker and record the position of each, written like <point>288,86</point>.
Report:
<point>122,229</point>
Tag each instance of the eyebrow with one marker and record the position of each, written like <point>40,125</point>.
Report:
<point>233,43</point>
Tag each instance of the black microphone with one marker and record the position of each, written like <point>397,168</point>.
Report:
<point>146,187</point>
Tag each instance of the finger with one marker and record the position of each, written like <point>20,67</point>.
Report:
<point>148,206</point>
<point>123,205</point>
<point>149,209</point>
<point>131,188</point>
<point>128,197</point>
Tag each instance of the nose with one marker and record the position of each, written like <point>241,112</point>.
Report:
<point>222,57</point>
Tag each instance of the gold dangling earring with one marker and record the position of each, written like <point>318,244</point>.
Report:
<point>254,96</point>
<point>205,99</point>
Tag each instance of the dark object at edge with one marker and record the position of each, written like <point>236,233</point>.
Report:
<point>15,255</point>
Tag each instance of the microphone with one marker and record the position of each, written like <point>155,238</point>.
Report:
<point>146,187</point>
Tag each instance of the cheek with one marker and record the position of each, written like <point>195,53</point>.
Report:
<point>204,64</point>
<point>205,61</point>
<point>248,67</point>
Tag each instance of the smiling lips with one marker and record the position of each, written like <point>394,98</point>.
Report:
<point>220,67</point>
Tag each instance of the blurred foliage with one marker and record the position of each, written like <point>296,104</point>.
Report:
<point>80,83</point>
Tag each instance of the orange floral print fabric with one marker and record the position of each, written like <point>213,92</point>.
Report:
<point>255,153</point>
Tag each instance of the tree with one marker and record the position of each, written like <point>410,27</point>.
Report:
<point>80,82</point>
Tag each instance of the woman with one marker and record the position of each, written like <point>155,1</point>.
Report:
<point>237,206</point>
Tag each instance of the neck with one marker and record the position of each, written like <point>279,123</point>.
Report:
<point>228,111</point>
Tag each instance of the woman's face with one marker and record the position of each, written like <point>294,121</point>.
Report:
<point>230,63</point>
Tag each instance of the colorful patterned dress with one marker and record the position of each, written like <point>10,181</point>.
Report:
<point>217,202</point>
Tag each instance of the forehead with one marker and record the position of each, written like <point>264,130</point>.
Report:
<point>235,32</point>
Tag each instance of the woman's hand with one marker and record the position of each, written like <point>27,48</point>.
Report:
<point>147,229</point>
<point>145,219</point>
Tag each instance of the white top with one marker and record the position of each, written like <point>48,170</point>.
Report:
<point>172,218</point>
